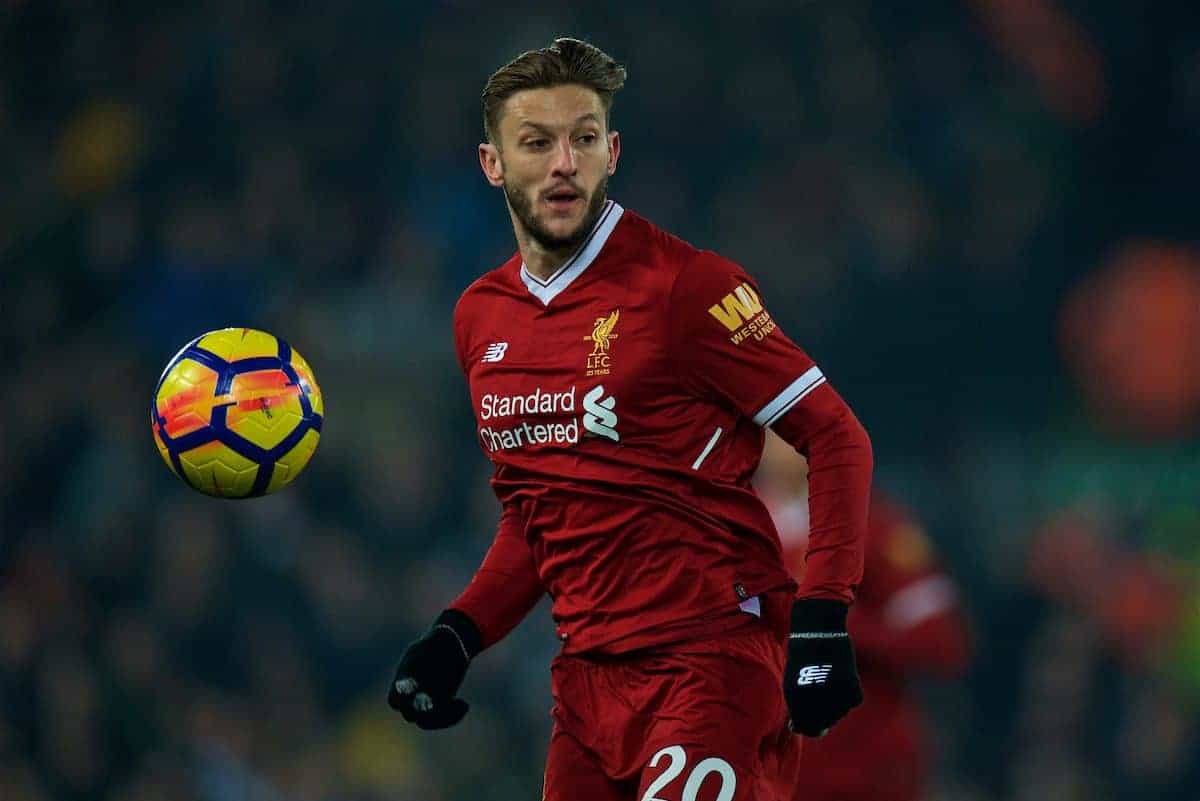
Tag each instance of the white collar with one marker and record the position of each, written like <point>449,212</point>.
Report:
<point>545,291</point>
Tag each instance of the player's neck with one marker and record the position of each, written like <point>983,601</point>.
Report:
<point>540,262</point>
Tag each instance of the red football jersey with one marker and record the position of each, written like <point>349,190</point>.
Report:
<point>622,403</point>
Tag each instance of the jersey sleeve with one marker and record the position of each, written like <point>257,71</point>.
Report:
<point>840,463</point>
<point>506,586</point>
<point>727,347</point>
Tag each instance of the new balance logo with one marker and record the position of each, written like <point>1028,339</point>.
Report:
<point>813,674</point>
<point>737,308</point>
<point>599,417</point>
<point>495,352</point>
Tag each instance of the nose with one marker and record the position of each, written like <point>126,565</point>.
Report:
<point>564,159</point>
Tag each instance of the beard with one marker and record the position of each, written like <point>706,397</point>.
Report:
<point>522,206</point>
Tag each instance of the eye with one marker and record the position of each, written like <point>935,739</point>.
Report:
<point>588,139</point>
<point>537,144</point>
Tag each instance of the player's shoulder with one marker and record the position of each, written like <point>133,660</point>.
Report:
<point>666,249</point>
<point>678,259</point>
<point>483,291</point>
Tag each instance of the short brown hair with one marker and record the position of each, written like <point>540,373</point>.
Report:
<point>564,61</point>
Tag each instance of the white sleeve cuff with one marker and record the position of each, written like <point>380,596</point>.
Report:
<point>791,395</point>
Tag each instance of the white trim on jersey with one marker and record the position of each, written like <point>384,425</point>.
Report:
<point>791,395</point>
<point>716,435</point>
<point>547,290</point>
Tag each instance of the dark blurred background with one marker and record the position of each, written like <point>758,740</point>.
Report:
<point>979,217</point>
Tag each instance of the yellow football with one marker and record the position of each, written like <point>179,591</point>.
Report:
<point>237,413</point>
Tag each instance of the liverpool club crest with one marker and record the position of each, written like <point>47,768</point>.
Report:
<point>598,361</point>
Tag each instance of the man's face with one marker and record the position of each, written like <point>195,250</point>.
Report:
<point>553,160</point>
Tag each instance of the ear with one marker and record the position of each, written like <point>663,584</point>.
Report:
<point>614,151</point>
<point>489,162</point>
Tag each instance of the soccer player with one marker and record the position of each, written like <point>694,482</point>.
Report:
<point>906,622</point>
<point>621,381</point>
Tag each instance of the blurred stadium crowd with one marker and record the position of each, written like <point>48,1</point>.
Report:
<point>979,217</point>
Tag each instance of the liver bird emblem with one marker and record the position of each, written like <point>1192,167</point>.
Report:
<point>602,334</point>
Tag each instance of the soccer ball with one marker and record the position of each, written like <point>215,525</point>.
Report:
<point>237,413</point>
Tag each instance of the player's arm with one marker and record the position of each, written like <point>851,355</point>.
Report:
<point>730,349</point>
<point>506,587</point>
<point>840,461</point>
<point>503,591</point>
<point>821,677</point>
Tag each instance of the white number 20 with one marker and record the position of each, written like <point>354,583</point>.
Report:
<point>678,761</point>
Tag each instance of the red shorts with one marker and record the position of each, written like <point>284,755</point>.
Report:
<point>693,721</point>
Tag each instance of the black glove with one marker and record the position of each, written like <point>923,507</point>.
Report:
<point>820,679</point>
<point>431,671</point>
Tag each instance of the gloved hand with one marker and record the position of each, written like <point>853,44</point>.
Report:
<point>820,679</point>
<point>431,671</point>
